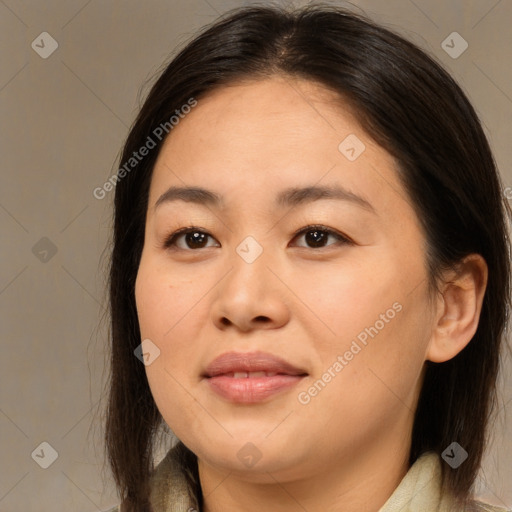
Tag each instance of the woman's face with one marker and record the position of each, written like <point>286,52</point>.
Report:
<point>322,332</point>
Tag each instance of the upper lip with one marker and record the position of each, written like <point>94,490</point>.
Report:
<point>232,362</point>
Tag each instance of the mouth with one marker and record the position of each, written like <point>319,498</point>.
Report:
<point>251,377</point>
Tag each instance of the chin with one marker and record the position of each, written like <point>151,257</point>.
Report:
<point>248,457</point>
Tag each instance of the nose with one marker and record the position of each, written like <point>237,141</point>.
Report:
<point>250,297</point>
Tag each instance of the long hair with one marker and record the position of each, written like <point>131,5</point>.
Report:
<point>413,109</point>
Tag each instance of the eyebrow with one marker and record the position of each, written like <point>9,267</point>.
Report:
<point>289,197</point>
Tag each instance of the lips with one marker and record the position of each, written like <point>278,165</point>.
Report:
<point>250,363</point>
<point>251,377</point>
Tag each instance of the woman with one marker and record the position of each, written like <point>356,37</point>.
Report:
<point>310,275</point>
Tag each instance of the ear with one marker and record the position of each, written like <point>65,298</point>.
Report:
<point>458,309</point>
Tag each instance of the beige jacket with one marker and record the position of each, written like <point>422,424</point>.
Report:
<point>419,490</point>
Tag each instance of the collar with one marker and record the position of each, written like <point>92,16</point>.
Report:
<point>419,490</point>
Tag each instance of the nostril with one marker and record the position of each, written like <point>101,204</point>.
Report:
<point>225,321</point>
<point>262,319</point>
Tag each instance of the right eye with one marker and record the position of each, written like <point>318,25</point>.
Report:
<point>189,238</point>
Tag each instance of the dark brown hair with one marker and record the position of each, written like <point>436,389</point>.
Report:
<point>410,106</point>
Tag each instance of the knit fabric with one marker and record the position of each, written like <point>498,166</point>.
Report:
<point>420,491</point>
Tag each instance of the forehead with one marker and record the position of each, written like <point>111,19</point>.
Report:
<point>274,114</point>
<point>255,136</point>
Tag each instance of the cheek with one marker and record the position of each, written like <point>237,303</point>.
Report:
<point>345,300</point>
<point>171,314</point>
<point>164,298</point>
<point>377,324</point>
<point>164,305</point>
<point>375,382</point>
<point>393,355</point>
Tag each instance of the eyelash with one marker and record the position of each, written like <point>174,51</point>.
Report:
<point>170,241</point>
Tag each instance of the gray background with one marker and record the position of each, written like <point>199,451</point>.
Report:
<point>63,121</point>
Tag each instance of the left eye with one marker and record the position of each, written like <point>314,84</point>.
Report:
<point>315,237</point>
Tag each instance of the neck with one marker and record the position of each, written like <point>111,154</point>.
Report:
<point>352,483</point>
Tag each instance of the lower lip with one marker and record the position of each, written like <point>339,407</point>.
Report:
<point>251,390</point>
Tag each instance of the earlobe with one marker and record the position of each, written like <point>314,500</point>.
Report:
<point>458,309</point>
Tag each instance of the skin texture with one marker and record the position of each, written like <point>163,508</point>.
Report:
<point>303,303</point>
